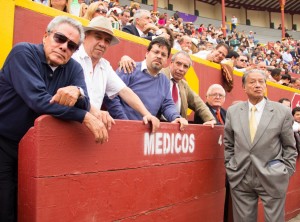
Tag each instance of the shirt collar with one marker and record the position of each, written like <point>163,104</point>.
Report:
<point>145,70</point>
<point>259,106</point>
<point>140,32</point>
<point>42,55</point>
<point>82,52</point>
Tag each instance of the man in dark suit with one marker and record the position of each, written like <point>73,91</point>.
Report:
<point>260,152</point>
<point>143,26</point>
<point>215,98</point>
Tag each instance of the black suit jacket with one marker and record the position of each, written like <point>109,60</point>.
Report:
<point>131,29</point>
<point>198,120</point>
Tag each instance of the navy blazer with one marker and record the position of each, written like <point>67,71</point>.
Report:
<point>131,29</point>
<point>198,120</point>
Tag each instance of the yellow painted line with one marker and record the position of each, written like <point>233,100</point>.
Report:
<point>7,12</point>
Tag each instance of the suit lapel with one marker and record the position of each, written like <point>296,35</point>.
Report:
<point>244,121</point>
<point>266,117</point>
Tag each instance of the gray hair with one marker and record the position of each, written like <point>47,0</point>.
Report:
<point>139,13</point>
<point>184,54</point>
<point>58,20</point>
<point>215,86</point>
<point>246,74</point>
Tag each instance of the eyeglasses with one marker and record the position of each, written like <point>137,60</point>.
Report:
<point>215,95</point>
<point>243,60</point>
<point>61,38</point>
<point>102,11</point>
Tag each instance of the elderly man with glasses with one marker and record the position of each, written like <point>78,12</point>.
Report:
<point>39,79</point>
<point>215,98</point>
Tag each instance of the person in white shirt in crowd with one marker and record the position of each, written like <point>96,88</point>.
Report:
<point>234,22</point>
<point>287,57</point>
<point>100,77</point>
<point>185,44</point>
<point>285,101</point>
<point>216,55</point>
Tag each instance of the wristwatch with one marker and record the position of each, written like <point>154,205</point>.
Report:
<point>81,92</point>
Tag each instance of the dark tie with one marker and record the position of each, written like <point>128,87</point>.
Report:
<point>219,117</point>
<point>174,92</point>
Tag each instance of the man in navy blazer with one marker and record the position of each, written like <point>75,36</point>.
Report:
<point>143,26</point>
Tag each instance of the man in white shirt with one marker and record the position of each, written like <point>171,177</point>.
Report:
<point>100,78</point>
<point>233,23</point>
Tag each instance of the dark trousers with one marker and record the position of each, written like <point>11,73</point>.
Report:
<point>8,180</point>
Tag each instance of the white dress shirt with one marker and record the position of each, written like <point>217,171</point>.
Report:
<point>100,81</point>
<point>259,110</point>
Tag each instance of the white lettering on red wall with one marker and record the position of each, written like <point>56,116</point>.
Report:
<point>168,143</point>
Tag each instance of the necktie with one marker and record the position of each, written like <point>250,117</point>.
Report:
<point>174,92</point>
<point>252,123</point>
<point>219,117</point>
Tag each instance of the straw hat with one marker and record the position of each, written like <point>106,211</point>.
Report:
<point>102,24</point>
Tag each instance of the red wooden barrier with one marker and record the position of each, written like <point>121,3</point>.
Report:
<point>174,176</point>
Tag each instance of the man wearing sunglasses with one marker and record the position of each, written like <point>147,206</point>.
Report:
<point>39,79</point>
<point>100,77</point>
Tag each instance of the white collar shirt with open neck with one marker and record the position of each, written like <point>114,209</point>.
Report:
<point>100,81</point>
<point>145,69</point>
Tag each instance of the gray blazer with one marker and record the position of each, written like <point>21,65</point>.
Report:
<point>273,152</point>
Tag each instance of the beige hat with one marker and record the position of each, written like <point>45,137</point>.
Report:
<point>102,24</point>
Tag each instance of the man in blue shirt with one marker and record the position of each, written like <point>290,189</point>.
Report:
<point>36,80</point>
<point>150,85</point>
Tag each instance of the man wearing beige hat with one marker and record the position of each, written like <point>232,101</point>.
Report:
<point>100,77</point>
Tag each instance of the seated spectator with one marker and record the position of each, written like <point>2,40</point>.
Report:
<point>124,18</point>
<point>95,9</point>
<point>150,85</point>
<point>61,5</point>
<point>233,56</point>
<point>143,26</point>
<point>82,10</point>
<point>275,76</point>
<point>286,102</point>
<point>295,83</point>
<point>215,99</point>
<point>286,80</point>
<point>220,38</point>
<point>168,32</point>
<point>185,44</point>
<point>161,20</point>
<point>242,64</point>
<point>296,115</point>
<point>216,55</point>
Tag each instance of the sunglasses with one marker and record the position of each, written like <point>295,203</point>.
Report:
<point>61,38</point>
<point>243,60</point>
<point>102,11</point>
